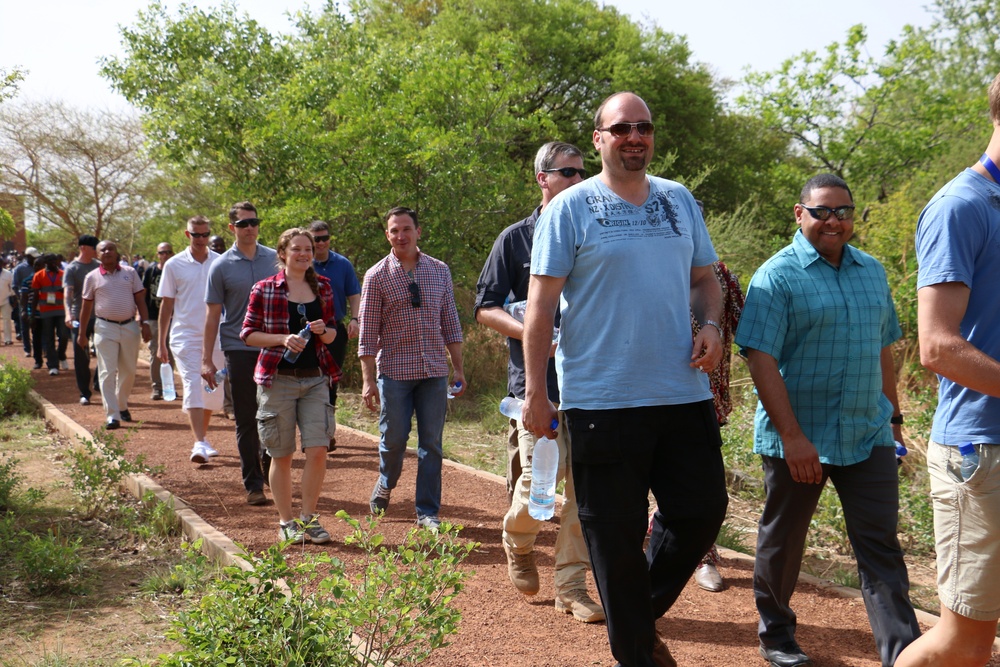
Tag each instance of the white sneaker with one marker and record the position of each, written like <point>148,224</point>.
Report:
<point>53,371</point>
<point>64,365</point>
<point>198,453</point>
<point>209,450</point>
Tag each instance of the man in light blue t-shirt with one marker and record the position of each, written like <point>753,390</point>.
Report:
<point>958,317</point>
<point>627,258</point>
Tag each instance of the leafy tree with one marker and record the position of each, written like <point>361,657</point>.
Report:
<point>84,170</point>
<point>7,225</point>
<point>9,81</point>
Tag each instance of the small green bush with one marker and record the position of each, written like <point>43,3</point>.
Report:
<point>15,389</point>
<point>190,575</point>
<point>49,563</point>
<point>97,468</point>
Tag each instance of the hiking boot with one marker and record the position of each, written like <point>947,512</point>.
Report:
<point>379,502</point>
<point>431,523</point>
<point>256,498</point>
<point>290,532</point>
<point>578,603</point>
<point>522,571</point>
<point>314,532</point>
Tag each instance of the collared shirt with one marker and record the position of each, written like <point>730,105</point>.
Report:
<point>112,292</point>
<point>50,293</point>
<point>73,277</point>
<point>826,326</point>
<point>229,283</point>
<point>183,279</point>
<point>504,279</point>
<point>267,312</point>
<point>407,342</point>
<point>343,280</point>
<point>6,285</point>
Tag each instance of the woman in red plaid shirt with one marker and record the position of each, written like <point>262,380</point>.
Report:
<point>294,391</point>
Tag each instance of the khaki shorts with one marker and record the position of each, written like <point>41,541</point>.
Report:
<point>291,402</point>
<point>967,531</point>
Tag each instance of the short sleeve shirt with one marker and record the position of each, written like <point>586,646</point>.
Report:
<point>230,280</point>
<point>625,335</point>
<point>343,280</point>
<point>113,292</point>
<point>73,277</point>
<point>958,240</point>
<point>826,327</point>
<point>183,279</point>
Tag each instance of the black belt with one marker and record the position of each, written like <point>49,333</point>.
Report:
<point>301,372</point>
<point>123,322</point>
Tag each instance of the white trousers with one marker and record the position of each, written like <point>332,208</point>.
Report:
<point>117,355</point>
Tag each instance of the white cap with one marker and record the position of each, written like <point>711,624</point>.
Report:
<point>32,251</point>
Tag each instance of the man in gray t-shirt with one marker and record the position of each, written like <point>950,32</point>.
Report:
<point>228,292</point>
<point>73,277</point>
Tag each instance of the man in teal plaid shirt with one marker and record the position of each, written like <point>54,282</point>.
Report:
<point>817,329</point>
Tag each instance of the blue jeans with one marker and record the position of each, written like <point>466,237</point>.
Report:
<point>400,400</point>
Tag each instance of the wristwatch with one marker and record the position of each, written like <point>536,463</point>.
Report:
<point>897,419</point>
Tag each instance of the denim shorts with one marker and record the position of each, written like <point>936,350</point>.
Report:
<point>291,401</point>
<point>966,533</point>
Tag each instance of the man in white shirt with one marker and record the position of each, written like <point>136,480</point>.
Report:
<point>182,298</point>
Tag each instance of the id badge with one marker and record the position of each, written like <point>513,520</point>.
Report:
<point>50,298</point>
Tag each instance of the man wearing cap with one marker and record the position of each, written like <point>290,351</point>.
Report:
<point>114,294</point>
<point>21,272</point>
<point>73,278</point>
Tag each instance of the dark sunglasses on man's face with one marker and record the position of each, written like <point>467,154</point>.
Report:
<point>199,235</point>
<point>414,294</point>
<point>822,213</point>
<point>568,172</point>
<point>321,239</point>
<point>247,222</point>
<point>644,128</point>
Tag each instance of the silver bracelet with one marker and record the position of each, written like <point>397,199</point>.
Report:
<point>712,323</point>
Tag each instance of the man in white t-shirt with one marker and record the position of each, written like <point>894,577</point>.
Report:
<point>182,299</point>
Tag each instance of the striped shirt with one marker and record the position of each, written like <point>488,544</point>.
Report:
<point>826,327</point>
<point>113,293</point>
<point>408,343</point>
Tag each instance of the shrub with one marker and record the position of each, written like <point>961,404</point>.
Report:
<point>97,470</point>
<point>15,389</point>
<point>49,563</point>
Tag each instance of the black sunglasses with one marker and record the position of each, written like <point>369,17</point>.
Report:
<point>247,222</point>
<point>823,212</point>
<point>414,294</point>
<point>644,128</point>
<point>321,239</point>
<point>568,172</point>
<point>199,235</point>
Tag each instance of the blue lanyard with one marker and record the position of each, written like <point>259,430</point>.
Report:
<point>990,167</point>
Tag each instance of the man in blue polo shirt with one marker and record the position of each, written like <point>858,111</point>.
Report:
<point>817,328</point>
<point>346,290</point>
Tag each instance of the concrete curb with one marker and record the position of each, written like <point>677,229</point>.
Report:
<point>221,548</point>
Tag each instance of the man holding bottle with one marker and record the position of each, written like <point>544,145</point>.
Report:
<point>504,279</point>
<point>182,320</point>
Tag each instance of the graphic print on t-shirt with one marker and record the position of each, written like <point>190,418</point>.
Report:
<point>629,222</point>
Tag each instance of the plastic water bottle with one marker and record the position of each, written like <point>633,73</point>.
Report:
<point>900,452</point>
<point>167,382</point>
<point>454,389</point>
<point>292,357</point>
<point>970,459</point>
<point>76,324</point>
<point>516,309</point>
<point>544,466</point>
<point>511,407</point>
<point>220,377</point>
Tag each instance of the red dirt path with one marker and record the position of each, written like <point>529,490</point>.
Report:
<point>499,626</point>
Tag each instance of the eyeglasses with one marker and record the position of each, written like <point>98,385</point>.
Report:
<point>414,294</point>
<point>247,222</point>
<point>162,252</point>
<point>301,309</point>
<point>199,235</point>
<point>322,239</point>
<point>644,128</point>
<point>568,172</point>
<point>823,212</point>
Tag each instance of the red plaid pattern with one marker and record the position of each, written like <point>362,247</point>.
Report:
<point>267,312</point>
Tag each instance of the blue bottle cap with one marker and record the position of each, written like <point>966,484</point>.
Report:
<point>967,448</point>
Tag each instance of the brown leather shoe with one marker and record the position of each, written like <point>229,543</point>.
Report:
<point>661,654</point>
<point>522,571</point>
<point>578,603</point>
<point>256,498</point>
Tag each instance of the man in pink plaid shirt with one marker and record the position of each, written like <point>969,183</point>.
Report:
<point>408,320</point>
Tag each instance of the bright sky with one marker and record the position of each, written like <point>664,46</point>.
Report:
<point>60,41</point>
